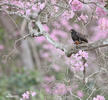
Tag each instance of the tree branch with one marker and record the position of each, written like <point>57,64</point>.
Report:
<point>74,49</point>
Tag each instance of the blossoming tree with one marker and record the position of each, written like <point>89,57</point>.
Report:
<point>48,22</point>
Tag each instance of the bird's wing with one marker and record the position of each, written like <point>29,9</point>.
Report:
<point>82,37</point>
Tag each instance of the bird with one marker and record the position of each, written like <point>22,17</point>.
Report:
<point>77,37</point>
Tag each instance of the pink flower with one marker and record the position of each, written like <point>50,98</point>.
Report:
<point>76,5</point>
<point>69,88</point>
<point>83,54</point>
<point>103,23</point>
<point>56,24</point>
<point>33,93</point>
<point>65,23</point>
<point>34,8</point>
<point>53,1</point>
<point>40,39</point>
<point>99,97</point>
<point>101,1</point>
<point>79,66</point>
<point>45,55</point>
<point>47,88</point>
<point>42,5</point>
<point>25,96</point>
<point>100,11</point>
<point>54,37</point>
<point>68,14</point>
<point>1,47</point>
<point>28,12</point>
<point>49,78</point>
<point>46,28</point>
<point>86,65</point>
<point>60,89</point>
<point>27,92</point>
<point>59,33</point>
<point>80,94</point>
<point>83,17</point>
<point>56,68</point>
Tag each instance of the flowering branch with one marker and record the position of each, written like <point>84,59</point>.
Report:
<point>74,49</point>
<point>67,50</point>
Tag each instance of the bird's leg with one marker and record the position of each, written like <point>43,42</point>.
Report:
<point>76,44</point>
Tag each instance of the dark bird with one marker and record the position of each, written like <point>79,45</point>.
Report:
<point>77,37</point>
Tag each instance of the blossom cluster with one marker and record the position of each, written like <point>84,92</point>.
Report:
<point>99,97</point>
<point>25,7</point>
<point>57,89</point>
<point>76,5</point>
<point>103,23</point>
<point>77,62</point>
<point>27,94</point>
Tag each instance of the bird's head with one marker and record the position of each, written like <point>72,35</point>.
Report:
<point>73,31</point>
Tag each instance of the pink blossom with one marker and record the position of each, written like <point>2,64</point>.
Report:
<point>56,24</point>
<point>54,37</point>
<point>68,14</point>
<point>48,46</point>
<point>65,23</point>
<point>47,88</point>
<point>40,39</point>
<point>33,93</point>
<point>86,65</point>
<point>53,1</point>
<point>83,17</point>
<point>83,54</point>
<point>101,1</point>
<point>70,1</point>
<point>103,23</point>
<point>79,66</point>
<point>28,12</point>
<point>27,92</point>
<point>99,97</point>
<point>100,11</point>
<point>77,57</point>
<point>56,9</point>
<point>76,5</point>
<point>59,52</point>
<point>69,88</point>
<point>1,47</point>
<point>42,5</point>
<point>49,78</point>
<point>45,55</point>
<point>46,28</point>
<point>60,89</point>
<point>80,94</point>
<point>25,96</point>
<point>59,33</point>
<point>34,8</point>
<point>99,35</point>
<point>56,68</point>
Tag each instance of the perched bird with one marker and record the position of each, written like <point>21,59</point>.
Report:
<point>78,38</point>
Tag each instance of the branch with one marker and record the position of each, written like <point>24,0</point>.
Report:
<point>74,49</point>
<point>91,94</point>
<point>9,4</point>
<point>89,46</point>
<point>67,50</point>
<point>16,13</point>
<point>96,4</point>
